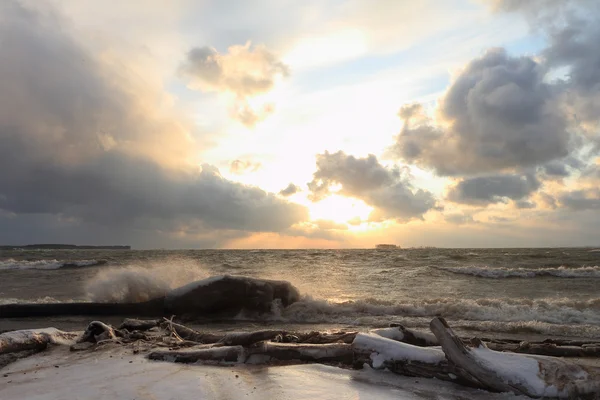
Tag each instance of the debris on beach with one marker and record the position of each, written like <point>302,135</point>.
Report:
<point>530,369</point>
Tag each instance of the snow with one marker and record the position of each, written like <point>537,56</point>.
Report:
<point>385,349</point>
<point>116,373</point>
<point>515,369</point>
<point>390,333</point>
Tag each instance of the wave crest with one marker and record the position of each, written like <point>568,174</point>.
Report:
<point>552,311</point>
<point>11,264</point>
<point>133,284</point>
<point>501,272</point>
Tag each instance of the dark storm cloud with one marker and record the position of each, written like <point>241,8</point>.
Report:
<point>499,115</point>
<point>388,190</point>
<point>579,200</point>
<point>524,204</point>
<point>80,140</point>
<point>556,169</point>
<point>289,190</point>
<point>573,33</point>
<point>493,189</point>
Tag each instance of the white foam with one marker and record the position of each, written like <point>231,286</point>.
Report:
<point>555,311</point>
<point>502,272</point>
<point>141,283</point>
<point>11,264</point>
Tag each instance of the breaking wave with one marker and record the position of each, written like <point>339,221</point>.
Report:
<point>516,311</point>
<point>499,273</point>
<point>12,264</point>
<point>133,284</point>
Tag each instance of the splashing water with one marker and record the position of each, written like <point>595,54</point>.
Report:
<point>131,284</point>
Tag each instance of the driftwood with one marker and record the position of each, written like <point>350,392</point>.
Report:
<point>216,353</point>
<point>478,365</point>
<point>405,359</point>
<point>405,335</point>
<point>33,339</point>
<point>529,375</point>
<point>261,353</point>
<point>547,349</point>
<point>139,324</point>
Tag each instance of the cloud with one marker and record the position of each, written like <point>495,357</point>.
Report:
<point>388,190</point>
<point>556,169</point>
<point>289,190</point>
<point>498,115</point>
<point>240,167</point>
<point>524,204</point>
<point>84,140</point>
<point>572,33</point>
<point>243,71</point>
<point>493,189</point>
<point>459,219</point>
<point>578,200</point>
<point>326,224</point>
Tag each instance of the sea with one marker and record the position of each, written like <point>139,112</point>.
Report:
<point>524,293</point>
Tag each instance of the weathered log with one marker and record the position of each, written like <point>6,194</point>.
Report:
<point>247,338</point>
<point>405,359</point>
<point>530,375</point>
<point>33,339</point>
<point>132,324</point>
<point>97,331</point>
<point>546,349</point>
<point>261,353</point>
<point>190,334</point>
<point>406,335</point>
<point>320,353</point>
<point>315,337</point>
<point>215,353</point>
<point>227,339</point>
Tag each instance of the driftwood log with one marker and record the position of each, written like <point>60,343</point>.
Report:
<point>533,376</point>
<point>262,353</point>
<point>33,339</point>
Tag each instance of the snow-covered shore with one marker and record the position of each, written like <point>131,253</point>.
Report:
<point>115,372</point>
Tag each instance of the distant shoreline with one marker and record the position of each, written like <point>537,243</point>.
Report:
<point>63,247</point>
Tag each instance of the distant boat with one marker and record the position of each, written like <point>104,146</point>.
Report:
<point>386,247</point>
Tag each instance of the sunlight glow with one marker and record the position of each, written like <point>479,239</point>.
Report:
<point>339,209</point>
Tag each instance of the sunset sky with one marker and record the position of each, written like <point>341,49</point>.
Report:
<point>300,124</point>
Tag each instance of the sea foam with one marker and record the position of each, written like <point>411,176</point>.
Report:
<point>11,264</point>
<point>134,283</point>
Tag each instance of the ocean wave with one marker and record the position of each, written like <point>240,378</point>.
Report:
<point>501,272</point>
<point>39,300</point>
<point>368,311</point>
<point>132,284</point>
<point>12,264</point>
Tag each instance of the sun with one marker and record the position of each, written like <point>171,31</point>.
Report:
<point>340,209</point>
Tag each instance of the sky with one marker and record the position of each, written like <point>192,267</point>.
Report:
<point>313,124</point>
